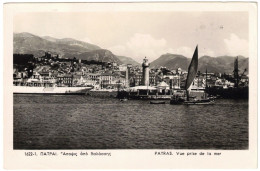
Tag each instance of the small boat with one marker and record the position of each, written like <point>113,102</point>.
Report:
<point>123,100</point>
<point>176,99</point>
<point>199,102</point>
<point>157,102</point>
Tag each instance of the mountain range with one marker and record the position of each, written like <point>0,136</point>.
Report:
<point>220,64</point>
<point>27,43</point>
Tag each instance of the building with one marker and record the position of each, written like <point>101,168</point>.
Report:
<point>94,77</point>
<point>106,80</point>
<point>244,80</point>
<point>122,67</point>
<point>65,80</point>
<point>175,82</point>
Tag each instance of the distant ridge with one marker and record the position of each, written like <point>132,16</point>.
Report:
<point>128,60</point>
<point>27,43</point>
<point>221,64</point>
<point>171,61</point>
<point>101,55</point>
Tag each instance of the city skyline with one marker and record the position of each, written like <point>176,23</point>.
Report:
<point>139,34</point>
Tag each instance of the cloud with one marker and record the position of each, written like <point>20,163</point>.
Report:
<point>236,46</point>
<point>145,41</point>
<point>206,52</point>
<point>185,51</point>
<point>141,45</point>
<point>118,50</point>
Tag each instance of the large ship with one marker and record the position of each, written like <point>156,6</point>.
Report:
<point>238,91</point>
<point>36,86</point>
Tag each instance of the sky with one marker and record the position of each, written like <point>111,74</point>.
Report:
<point>150,34</point>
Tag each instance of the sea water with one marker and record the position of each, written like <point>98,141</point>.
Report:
<point>85,122</point>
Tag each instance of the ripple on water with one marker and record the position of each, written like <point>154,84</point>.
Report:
<point>84,122</point>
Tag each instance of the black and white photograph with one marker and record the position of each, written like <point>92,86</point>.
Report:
<point>131,80</point>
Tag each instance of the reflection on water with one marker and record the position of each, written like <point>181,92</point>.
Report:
<point>84,122</point>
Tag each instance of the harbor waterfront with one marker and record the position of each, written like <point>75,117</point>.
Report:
<point>87,122</point>
<point>171,103</point>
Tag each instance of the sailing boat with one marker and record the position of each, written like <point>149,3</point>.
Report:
<point>192,72</point>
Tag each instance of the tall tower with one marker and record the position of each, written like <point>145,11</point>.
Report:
<point>145,65</point>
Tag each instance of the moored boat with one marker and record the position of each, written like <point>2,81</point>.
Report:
<point>199,102</point>
<point>36,86</point>
<point>157,102</point>
<point>123,100</point>
<point>50,90</point>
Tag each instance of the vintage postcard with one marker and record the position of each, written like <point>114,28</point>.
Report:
<point>161,85</point>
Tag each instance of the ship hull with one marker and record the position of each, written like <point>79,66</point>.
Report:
<point>103,93</point>
<point>51,90</point>
<point>192,102</point>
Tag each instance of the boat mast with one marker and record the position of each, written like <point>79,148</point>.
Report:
<point>118,84</point>
<point>198,80</point>
<point>206,78</point>
<point>236,76</point>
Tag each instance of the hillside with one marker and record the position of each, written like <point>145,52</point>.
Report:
<point>72,42</point>
<point>27,43</point>
<point>171,61</point>
<point>221,64</point>
<point>101,55</point>
<point>128,60</point>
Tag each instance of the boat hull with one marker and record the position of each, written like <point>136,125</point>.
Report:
<point>50,90</point>
<point>103,93</point>
<point>198,102</point>
<point>195,102</point>
<point>157,102</point>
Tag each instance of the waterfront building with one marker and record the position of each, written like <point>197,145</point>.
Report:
<point>163,88</point>
<point>178,71</point>
<point>211,81</point>
<point>36,75</point>
<point>175,82</point>
<point>122,67</point>
<point>244,80</point>
<point>138,78</point>
<point>77,80</point>
<point>199,83</point>
<point>152,79</point>
<point>94,77</point>
<point>105,80</point>
<point>53,74</point>
<point>223,83</point>
<point>65,80</point>
<point>129,66</point>
<point>122,77</point>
